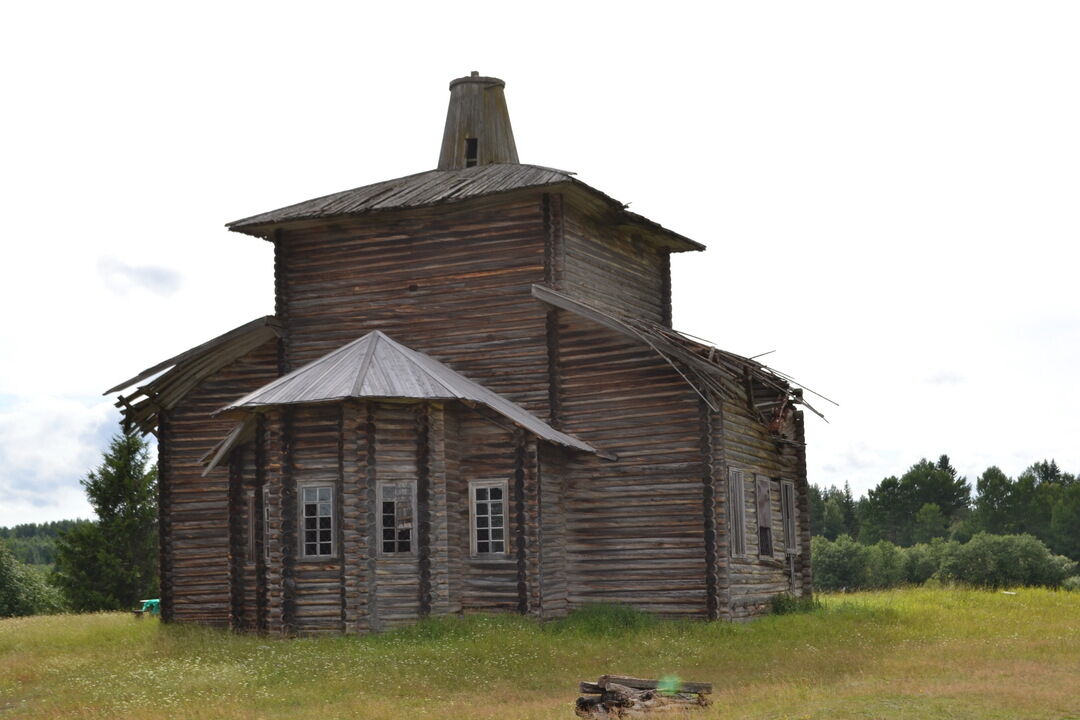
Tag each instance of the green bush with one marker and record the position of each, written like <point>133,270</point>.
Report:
<point>24,591</point>
<point>1072,583</point>
<point>990,561</point>
<point>996,561</point>
<point>841,564</point>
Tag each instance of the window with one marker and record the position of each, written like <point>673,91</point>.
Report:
<point>736,513</point>
<point>471,152</point>
<point>763,500</point>
<point>787,513</point>
<point>317,503</point>
<point>396,517</point>
<point>250,527</point>
<point>266,523</point>
<point>487,508</point>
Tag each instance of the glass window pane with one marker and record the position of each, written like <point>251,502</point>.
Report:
<point>496,508</point>
<point>496,521</point>
<point>496,493</point>
<point>324,508</point>
<point>324,494</point>
<point>388,534</point>
<point>481,522</point>
<point>403,534</point>
<point>324,536</point>
<point>388,547</point>
<point>481,508</point>
<point>481,534</point>
<point>388,507</point>
<point>481,493</point>
<point>309,536</point>
<point>404,546</point>
<point>482,547</point>
<point>497,546</point>
<point>309,495</point>
<point>497,534</point>
<point>324,522</point>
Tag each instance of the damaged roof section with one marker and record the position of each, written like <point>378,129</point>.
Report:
<point>714,374</point>
<point>172,379</point>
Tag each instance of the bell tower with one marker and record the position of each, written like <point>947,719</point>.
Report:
<point>478,128</point>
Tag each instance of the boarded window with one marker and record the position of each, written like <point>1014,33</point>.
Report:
<point>487,503</point>
<point>736,513</point>
<point>787,510</point>
<point>317,503</point>
<point>763,498</point>
<point>396,518</point>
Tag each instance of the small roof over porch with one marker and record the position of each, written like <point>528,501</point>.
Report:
<point>377,367</point>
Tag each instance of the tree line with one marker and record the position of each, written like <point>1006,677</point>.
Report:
<point>931,501</point>
<point>106,564</point>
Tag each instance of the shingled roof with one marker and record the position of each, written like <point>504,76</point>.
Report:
<point>375,366</point>
<point>436,187</point>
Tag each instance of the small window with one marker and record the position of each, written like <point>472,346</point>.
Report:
<point>250,527</point>
<point>787,511</point>
<point>487,508</point>
<point>736,513</point>
<point>318,508</point>
<point>396,518</point>
<point>763,501</point>
<point>266,523</point>
<point>471,152</point>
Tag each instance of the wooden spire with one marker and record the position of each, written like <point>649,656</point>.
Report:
<point>478,128</point>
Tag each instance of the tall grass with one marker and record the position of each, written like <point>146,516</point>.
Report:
<point>923,653</point>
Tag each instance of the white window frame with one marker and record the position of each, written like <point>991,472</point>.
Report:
<point>736,497</point>
<point>788,514</point>
<point>502,485</point>
<point>266,522</point>
<point>301,489</point>
<point>413,531</point>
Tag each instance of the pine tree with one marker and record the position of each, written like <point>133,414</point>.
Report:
<point>112,564</point>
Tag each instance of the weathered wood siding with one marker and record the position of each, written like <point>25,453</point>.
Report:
<point>612,267</point>
<point>196,572</point>
<point>450,282</point>
<point>553,532</point>
<point>752,578</point>
<point>635,527</point>
<point>487,452</point>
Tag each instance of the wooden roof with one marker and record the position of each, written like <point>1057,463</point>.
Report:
<point>181,373</point>
<point>436,187</point>
<point>375,366</point>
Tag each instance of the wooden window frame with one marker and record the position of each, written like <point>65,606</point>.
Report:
<point>250,554</point>
<point>766,541</point>
<point>266,523</point>
<point>788,515</point>
<point>504,486</point>
<point>301,488</point>
<point>413,530</point>
<point>736,497</point>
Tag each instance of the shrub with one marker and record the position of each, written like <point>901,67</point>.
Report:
<point>996,561</point>
<point>885,565</point>
<point>24,591</point>
<point>788,604</point>
<point>1072,583</point>
<point>840,564</point>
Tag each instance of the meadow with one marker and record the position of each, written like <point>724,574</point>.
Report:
<point>912,653</point>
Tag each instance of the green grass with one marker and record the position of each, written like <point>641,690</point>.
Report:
<point>922,653</point>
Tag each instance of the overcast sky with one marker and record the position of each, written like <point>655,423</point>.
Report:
<point>888,191</point>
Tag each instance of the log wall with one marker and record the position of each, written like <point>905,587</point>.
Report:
<point>612,267</point>
<point>453,283</point>
<point>752,578</point>
<point>635,527</point>
<point>196,575</point>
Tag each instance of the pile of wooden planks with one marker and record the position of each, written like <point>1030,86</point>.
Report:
<point>621,696</point>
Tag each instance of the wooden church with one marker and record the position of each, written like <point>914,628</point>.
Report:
<point>470,398</point>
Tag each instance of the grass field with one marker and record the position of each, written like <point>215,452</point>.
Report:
<point>922,653</point>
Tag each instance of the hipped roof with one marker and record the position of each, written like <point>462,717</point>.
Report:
<point>436,187</point>
<point>375,366</point>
